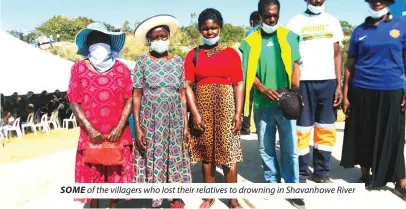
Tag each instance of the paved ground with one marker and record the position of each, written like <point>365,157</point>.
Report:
<point>27,184</point>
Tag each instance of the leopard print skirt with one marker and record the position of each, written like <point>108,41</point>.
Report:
<point>218,144</point>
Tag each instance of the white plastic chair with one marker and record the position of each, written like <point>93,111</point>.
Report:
<point>72,119</point>
<point>29,124</point>
<point>2,137</point>
<point>56,118</point>
<point>53,121</point>
<point>43,124</point>
<point>15,127</point>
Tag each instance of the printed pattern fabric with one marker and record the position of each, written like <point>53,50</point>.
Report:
<point>166,159</point>
<point>218,144</point>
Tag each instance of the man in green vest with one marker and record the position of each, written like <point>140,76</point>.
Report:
<point>270,60</point>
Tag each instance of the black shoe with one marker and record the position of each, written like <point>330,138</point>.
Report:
<point>298,203</point>
<point>366,179</point>
<point>401,192</point>
<point>245,132</point>
<point>303,180</point>
<point>322,179</point>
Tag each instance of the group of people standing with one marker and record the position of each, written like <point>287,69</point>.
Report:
<point>190,111</point>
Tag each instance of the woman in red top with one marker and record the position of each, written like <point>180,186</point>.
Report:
<point>216,104</point>
<point>100,96</point>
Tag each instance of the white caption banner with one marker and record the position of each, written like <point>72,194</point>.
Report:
<point>202,190</point>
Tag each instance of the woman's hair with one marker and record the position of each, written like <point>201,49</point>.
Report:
<point>264,3</point>
<point>210,14</point>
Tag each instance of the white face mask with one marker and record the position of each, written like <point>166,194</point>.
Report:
<point>160,46</point>
<point>211,41</point>
<point>101,57</point>
<point>378,14</point>
<point>99,52</point>
<point>316,9</point>
<point>269,29</point>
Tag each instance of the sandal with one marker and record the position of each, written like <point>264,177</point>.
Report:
<point>206,205</point>
<point>178,203</point>
<point>238,206</point>
<point>401,192</point>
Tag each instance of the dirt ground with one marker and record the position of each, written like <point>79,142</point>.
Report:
<point>31,146</point>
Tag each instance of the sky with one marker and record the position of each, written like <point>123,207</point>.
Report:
<point>25,15</point>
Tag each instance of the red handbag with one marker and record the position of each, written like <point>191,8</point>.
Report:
<point>105,153</point>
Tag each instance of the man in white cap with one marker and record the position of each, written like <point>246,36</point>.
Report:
<point>320,86</point>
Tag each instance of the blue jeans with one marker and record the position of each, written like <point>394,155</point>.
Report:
<point>4,130</point>
<point>266,121</point>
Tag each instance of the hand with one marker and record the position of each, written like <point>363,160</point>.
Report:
<point>404,103</point>
<point>140,141</point>
<point>95,135</point>
<point>296,90</point>
<point>346,106</point>
<point>198,123</point>
<point>186,134</point>
<point>272,95</point>
<point>237,123</point>
<point>338,97</point>
<point>116,133</point>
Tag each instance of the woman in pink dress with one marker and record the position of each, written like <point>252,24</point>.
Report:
<point>100,96</point>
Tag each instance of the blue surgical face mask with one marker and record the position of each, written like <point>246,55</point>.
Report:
<point>211,41</point>
<point>160,46</point>
<point>269,29</point>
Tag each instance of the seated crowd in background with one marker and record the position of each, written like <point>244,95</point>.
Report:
<point>20,106</point>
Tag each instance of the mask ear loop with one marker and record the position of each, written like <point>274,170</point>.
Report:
<point>149,44</point>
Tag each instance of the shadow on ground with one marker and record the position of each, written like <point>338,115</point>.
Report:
<point>250,169</point>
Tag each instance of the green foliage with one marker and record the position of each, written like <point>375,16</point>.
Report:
<point>127,27</point>
<point>66,27</point>
<point>347,28</point>
<point>178,52</point>
<point>190,35</point>
<point>17,34</point>
<point>185,39</point>
<point>232,34</point>
<point>33,35</point>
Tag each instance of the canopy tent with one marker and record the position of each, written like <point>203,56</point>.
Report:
<point>25,68</point>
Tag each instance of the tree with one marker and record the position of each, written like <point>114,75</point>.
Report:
<point>17,34</point>
<point>108,26</point>
<point>191,35</point>
<point>33,35</point>
<point>232,34</point>
<point>127,27</point>
<point>66,27</point>
<point>193,15</point>
<point>347,28</point>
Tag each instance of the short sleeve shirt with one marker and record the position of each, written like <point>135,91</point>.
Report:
<point>378,51</point>
<point>225,67</point>
<point>318,33</point>
<point>271,70</point>
<point>102,98</point>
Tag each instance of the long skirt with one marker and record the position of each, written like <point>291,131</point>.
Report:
<point>218,144</point>
<point>166,159</point>
<point>374,135</point>
<point>91,173</point>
